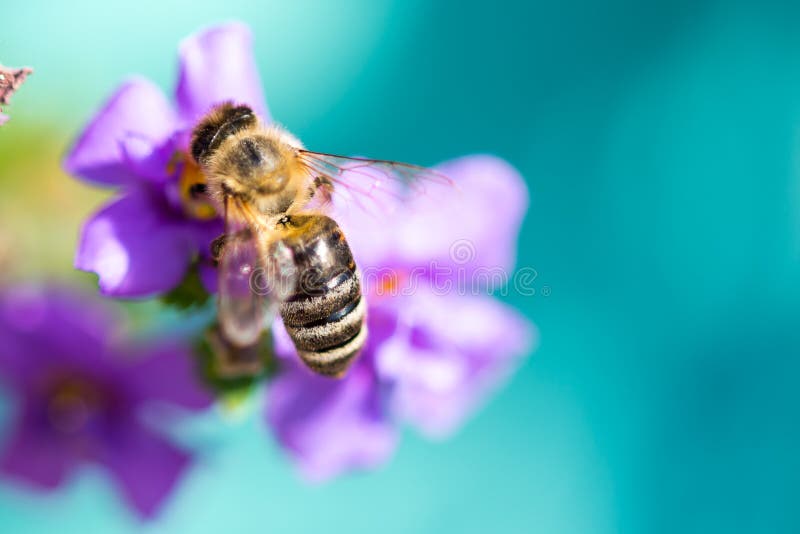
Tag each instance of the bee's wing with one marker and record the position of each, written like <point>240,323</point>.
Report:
<point>242,312</point>
<point>375,185</point>
<point>255,276</point>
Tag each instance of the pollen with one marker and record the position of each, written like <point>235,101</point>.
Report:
<point>194,190</point>
<point>388,284</point>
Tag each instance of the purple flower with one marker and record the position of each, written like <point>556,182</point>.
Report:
<point>143,242</point>
<point>81,393</point>
<point>438,344</point>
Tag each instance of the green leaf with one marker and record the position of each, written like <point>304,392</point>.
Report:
<point>189,294</point>
<point>213,352</point>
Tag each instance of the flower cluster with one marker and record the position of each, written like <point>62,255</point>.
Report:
<point>81,393</point>
<point>430,358</point>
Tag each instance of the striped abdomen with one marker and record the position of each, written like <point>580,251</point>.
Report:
<point>325,315</point>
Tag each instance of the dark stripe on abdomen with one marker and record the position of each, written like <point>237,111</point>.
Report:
<point>328,330</point>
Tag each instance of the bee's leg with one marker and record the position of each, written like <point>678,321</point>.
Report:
<point>217,248</point>
<point>218,245</point>
<point>322,185</point>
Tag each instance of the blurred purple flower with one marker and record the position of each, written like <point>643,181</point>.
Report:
<point>438,344</point>
<point>143,242</point>
<point>80,397</point>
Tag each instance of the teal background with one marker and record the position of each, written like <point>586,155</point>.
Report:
<point>660,144</point>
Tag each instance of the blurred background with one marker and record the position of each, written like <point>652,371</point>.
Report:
<point>660,144</point>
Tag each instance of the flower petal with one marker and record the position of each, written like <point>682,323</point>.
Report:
<point>168,374</point>
<point>31,342</point>
<point>217,65</point>
<point>448,354</point>
<point>34,457</point>
<point>145,466</point>
<point>208,276</point>
<point>282,343</point>
<point>489,205</point>
<point>330,426</point>
<point>488,202</point>
<point>149,160</point>
<point>16,363</point>
<point>203,233</point>
<point>137,115</point>
<point>136,246</point>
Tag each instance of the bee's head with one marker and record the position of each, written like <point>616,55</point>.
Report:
<point>244,160</point>
<point>223,121</point>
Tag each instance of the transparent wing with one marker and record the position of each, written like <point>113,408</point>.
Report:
<point>256,274</point>
<point>242,312</point>
<point>374,185</point>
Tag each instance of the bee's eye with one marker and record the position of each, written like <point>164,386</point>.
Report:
<point>195,190</point>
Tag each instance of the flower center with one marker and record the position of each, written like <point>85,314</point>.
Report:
<point>385,282</point>
<point>388,284</point>
<point>193,188</point>
<point>73,404</point>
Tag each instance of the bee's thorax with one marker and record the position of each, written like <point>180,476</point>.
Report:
<point>258,169</point>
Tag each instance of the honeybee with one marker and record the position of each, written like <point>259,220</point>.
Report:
<point>280,252</point>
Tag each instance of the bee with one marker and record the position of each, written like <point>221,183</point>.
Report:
<point>280,251</point>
